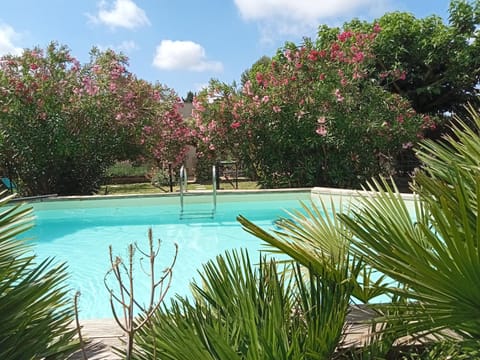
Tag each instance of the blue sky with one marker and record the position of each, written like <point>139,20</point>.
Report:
<point>183,44</point>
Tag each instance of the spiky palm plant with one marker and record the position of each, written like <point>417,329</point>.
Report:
<point>317,239</point>
<point>35,314</point>
<point>435,254</point>
<point>245,312</point>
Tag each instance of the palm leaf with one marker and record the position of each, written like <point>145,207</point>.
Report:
<point>240,311</point>
<point>434,254</point>
<point>35,313</point>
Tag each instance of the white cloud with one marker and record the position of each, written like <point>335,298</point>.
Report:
<point>126,46</point>
<point>297,17</point>
<point>122,13</point>
<point>7,38</point>
<point>184,55</point>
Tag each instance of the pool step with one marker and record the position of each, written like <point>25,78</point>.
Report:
<point>184,215</point>
<point>183,189</point>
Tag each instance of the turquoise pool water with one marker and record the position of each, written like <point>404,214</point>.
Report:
<point>80,232</point>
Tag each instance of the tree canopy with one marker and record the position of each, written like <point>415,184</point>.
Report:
<point>438,62</point>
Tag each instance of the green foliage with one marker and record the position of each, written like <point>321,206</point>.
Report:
<point>63,124</point>
<point>447,350</point>
<point>428,248</point>
<point>316,238</point>
<point>434,255</point>
<point>35,314</point>
<point>440,61</point>
<point>313,115</point>
<point>244,312</point>
<point>258,66</point>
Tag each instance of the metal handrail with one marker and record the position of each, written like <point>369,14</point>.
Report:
<point>183,188</point>
<point>214,187</point>
<point>183,185</point>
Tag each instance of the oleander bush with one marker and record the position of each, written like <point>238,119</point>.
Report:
<point>315,114</point>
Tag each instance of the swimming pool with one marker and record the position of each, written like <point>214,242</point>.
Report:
<point>80,232</point>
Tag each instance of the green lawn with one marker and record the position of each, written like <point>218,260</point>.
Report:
<point>148,188</point>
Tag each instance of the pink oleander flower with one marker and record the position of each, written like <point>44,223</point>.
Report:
<point>356,76</point>
<point>344,36</point>
<point>259,78</point>
<point>407,145</point>
<point>247,88</point>
<point>212,125</point>
<point>93,90</point>
<point>321,120</point>
<point>276,109</point>
<point>321,130</point>
<point>265,99</point>
<point>358,57</point>
<point>313,55</point>
<point>197,105</point>
<point>288,55</point>
<point>338,95</point>
<point>76,65</point>
<point>129,96</point>
<point>235,125</point>
<point>147,130</point>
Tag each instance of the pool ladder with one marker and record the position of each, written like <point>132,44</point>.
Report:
<point>183,190</point>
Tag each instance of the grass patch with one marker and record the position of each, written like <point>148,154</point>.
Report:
<point>148,188</point>
<point>127,168</point>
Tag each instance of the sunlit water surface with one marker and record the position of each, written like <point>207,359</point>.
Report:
<point>80,233</point>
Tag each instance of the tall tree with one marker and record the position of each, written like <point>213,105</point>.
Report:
<point>189,97</point>
<point>259,65</point>
<point>438,63</point>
